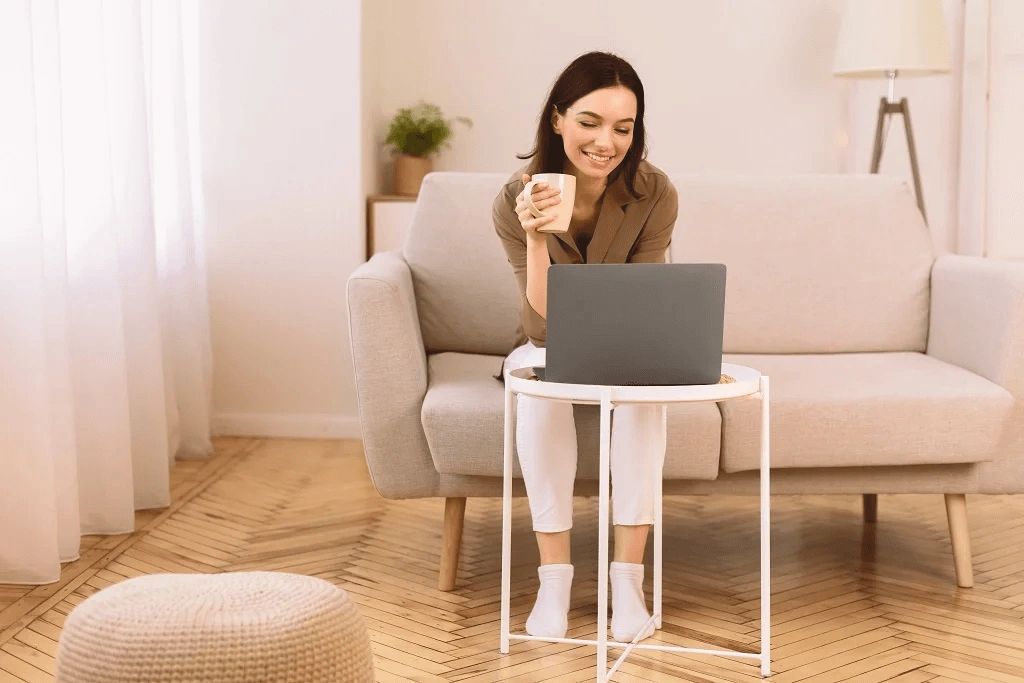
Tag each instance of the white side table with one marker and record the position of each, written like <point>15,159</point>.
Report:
<point>737,381</point>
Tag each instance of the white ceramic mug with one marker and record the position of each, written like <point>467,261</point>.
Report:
<point>566,185</point>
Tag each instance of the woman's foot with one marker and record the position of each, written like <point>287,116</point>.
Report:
<point>629,611</point>
<point>550,615</point>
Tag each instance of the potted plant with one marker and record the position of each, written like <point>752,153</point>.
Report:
<point>416,134</point>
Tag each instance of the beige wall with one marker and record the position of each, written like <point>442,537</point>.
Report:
<point>731,85</point>
<point>935,116</point>
<point>298,96</point>
<point>283,173</point>
<point>716,99</point>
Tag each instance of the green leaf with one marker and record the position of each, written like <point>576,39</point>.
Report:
<point>421,130</point>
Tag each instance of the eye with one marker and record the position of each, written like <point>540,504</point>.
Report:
<point>620,131</point>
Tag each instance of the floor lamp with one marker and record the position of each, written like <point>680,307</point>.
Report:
<point>886,39</point>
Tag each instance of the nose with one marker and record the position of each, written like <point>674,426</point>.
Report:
<point>604,140</point>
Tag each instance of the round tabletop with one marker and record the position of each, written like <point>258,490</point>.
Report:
<point>736,381</point>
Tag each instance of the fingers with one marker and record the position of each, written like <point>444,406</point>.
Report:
<point>542,198</point>
<point>540,191</point>
<point>531,224</point>
<point>541,204</point>
<point>524,215</point>
<point>522,209</point>
<point>540,222</point>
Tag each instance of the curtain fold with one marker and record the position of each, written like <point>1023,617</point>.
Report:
<point>104,325</point>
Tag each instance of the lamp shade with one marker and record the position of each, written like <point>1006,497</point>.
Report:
<point>878,36</point>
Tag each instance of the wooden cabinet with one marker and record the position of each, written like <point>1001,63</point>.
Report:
<point>387,221</point>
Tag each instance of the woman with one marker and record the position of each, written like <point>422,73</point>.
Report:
<point>592,126</point>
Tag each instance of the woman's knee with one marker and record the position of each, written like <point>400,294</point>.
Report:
<point>640,415</point>
<point>542,414</point>
<point>634,425</point>
<point>546,437</point>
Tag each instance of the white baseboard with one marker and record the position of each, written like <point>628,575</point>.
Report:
<point>284,426</point>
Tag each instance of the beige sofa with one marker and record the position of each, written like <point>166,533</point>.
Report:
<point>894,369</point>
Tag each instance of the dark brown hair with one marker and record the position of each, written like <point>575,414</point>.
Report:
<point>587,73</point>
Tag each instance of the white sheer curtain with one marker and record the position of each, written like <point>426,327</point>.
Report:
<point>105,362</point>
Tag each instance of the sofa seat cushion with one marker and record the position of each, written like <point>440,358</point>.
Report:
<point>463,420</point>
<point>865,409</point>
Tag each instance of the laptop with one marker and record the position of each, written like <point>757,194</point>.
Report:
<point>641,324</point>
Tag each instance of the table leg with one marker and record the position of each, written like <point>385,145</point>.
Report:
<point>506,523</point>
<point>659,528</point>
<point>765,533</point>
<point>602,540</point>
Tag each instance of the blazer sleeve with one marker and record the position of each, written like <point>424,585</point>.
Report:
<point>513,240</point>
<point>655,237</point>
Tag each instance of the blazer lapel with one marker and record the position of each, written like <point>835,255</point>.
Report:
<point>613,227</point>
<point>567,241</point>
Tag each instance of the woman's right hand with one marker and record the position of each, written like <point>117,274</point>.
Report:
<point>544,196</point>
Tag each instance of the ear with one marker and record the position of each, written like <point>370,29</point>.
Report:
<point>556,120</point>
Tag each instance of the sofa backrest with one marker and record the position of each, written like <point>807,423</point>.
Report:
<point>466,294</point>
<point>816,263</point>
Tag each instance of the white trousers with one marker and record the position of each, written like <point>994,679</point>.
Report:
<point>546,445</point>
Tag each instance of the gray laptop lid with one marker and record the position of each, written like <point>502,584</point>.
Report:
<point>635,323</point>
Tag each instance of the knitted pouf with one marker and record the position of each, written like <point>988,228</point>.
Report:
<point>240,627</point>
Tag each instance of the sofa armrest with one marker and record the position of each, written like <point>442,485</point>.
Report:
<point>390,368</point>
<point>977,317</point>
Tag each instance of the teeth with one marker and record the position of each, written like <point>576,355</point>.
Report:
<point>597,158</point>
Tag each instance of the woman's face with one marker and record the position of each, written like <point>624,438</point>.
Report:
<point>597,130</point>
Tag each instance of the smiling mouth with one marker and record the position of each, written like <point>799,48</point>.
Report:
<point>596,157</point>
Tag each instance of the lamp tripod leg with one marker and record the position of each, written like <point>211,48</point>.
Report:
<point>905,106</point>
<point>876,152</point>
<point>886,109</point>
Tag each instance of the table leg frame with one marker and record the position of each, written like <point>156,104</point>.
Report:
<point>602,642</point>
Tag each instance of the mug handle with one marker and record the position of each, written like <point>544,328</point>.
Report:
<point>528,196</point>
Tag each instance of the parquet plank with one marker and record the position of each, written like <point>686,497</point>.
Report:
<point>22,669</point>
<point>892,666</point>
<point>867,604</point>
<point>411,648</point>
<point>404,672</point>
<point>957,659</point>
<point>916,676</point>
<point>30,656</point>
<point>43,628</point>
<point>828,662</point>
<point>1011,656</point>
<point>36,641</point>
<point>6,677</point>
<point>955,669</point>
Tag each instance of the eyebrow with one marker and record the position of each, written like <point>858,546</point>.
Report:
<point>590,113</point>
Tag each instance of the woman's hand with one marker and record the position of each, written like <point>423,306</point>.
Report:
<point>544,196</point>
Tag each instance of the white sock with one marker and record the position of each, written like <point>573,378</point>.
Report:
<point>629,611</point>
<point>550,615</point>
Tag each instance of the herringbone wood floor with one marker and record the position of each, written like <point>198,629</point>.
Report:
<point>850,602</point>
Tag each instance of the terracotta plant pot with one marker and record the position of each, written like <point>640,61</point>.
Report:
<point>409,172</point>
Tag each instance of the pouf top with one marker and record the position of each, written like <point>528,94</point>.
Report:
<point>216,628</point>
<point>194,600</point>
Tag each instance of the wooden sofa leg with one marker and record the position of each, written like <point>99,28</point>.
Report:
<point>871,507</point>
<point>959,536</point>
<point>451,542</point>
